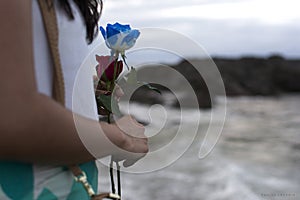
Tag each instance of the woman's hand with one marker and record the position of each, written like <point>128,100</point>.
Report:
<point>128,136</point>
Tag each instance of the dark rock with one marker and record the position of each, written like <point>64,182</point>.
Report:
<point>246,76</point>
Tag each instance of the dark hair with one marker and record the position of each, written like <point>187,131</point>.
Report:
<point>90,11</point>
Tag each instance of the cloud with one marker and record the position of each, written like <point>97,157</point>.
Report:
<point>265,11</point>
<point>223,27</point>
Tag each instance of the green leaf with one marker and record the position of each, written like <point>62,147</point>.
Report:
<point>124,60</point>
<point>110,104</point>
<point>106,101</point>
<point>115,107</point>
<point>132,77</point>
<point>132,80</point>
<point>149,86</point>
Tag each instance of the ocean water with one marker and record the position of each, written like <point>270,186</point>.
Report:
<point>257,156</point>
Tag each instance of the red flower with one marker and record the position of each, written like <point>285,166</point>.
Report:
<point>105,68</point>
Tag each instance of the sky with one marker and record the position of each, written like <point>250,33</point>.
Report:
<point>228,28</point>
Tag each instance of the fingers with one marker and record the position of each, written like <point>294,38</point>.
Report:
<point>132,161</point>
<point>131,127</point>
<point>99,92</point>
<point>140,146</point>
<point>101,88</point>
<point>131,158</point>
<point>138,149</point>
<point>134,143</point>
<point>102,111</point>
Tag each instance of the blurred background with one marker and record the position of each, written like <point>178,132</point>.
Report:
<point>255,46</point>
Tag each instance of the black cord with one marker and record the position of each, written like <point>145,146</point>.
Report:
<point>111,171</point>
<point>119,178</point>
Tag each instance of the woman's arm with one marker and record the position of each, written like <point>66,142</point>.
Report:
<point>33,127</point>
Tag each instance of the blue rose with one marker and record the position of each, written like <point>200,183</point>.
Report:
<point>119,38</point>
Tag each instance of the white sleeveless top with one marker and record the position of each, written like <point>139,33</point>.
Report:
<point>73,49</point>
<point>55,182</point>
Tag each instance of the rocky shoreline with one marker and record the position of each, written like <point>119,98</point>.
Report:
<point>247,76</point>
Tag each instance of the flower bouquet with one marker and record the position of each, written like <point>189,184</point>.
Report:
<point>118,39</point>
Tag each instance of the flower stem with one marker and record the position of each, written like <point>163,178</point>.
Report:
<point>115,72</point>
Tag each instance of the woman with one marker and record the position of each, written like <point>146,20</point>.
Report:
<point>37,135</point>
